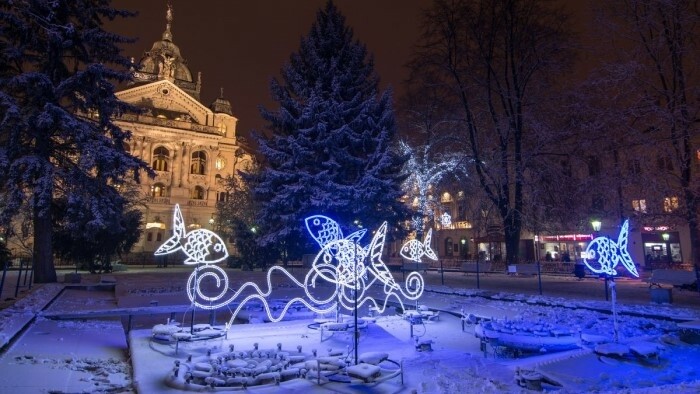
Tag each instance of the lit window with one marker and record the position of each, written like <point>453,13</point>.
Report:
<point>199,163</point>
<point>160,159</point>
<point>639,206</point>
<point>220,163</point>
<point>670,204</point>
<point>158,190</point>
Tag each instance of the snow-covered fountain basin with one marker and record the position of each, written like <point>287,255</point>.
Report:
<point>527,336</point>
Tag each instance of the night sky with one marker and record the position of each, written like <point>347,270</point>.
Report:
<point>240,45</point>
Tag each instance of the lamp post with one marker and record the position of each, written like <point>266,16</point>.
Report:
<point>666,237</point>
<point>596,224</point>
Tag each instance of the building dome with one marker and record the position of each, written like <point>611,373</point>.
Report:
<point>164,61</point>
<point>221,105</point>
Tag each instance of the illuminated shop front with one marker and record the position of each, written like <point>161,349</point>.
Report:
<point>662,246</point>
<point>563,247</point>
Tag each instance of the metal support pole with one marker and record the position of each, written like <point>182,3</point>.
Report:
<point>477,273</point>
<point>357,333</point>
<point>31,275</point>
<point>4,274</point>
<point>194,299</point>
<point>19,277</point>
<point>614,308</point>
<point>697,278</point>
<point>606,287</point>
<point>539,277</point>
<point>442,273</point>
<point>26,274</point>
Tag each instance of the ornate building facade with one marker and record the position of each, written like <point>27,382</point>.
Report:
<point>190,146</point>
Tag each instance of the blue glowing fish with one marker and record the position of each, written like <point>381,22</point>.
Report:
<point>603,254</point>
<point>325,230</point>
<point>414,250</point>
<point>200,245</point>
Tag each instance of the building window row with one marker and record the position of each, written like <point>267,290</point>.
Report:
<point>198,166</point>
<point>670,204</point>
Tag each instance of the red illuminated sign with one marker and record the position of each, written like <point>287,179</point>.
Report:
<point>567,237</point>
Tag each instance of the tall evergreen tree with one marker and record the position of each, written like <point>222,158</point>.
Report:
<point>329,146</point>
<point>57,102</point>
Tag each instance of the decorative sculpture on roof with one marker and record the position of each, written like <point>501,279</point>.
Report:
<point>603,254</point>
<point>342,261</point>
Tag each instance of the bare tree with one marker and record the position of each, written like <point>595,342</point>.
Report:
<point>655,42</point>
<point>497,60</point>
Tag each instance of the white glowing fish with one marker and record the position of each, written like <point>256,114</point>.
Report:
<point>603,254</point>
<point>414,250</point>
<point>200,245</point>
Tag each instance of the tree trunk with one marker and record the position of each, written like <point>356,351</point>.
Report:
<point>512,237</point>
<point>44,270</point>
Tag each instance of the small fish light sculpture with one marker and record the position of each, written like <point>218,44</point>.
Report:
<point>604,254</point>
<point>414,250</point>
<point>201,245</point>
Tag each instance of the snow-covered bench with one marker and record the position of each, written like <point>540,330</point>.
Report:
<point>676,278</point>
<point>523,269</point>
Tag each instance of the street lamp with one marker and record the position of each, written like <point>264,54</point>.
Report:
<point>596,225</point>
<point>666,237</point>
<point>211,221</point>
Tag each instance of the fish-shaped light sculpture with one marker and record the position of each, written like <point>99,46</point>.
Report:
<point>414,250</point>
<point>201,246</point>
<point>325,230</point>
<point>603,254</point>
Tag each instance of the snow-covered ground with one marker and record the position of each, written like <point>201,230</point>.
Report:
<point>92,354</point>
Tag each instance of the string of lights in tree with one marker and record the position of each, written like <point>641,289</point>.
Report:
<point>425,173</point>
<point>342,261</point>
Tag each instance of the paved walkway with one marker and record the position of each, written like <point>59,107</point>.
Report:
<point>634,291</point>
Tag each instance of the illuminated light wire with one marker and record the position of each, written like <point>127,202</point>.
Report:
<point>341,261</point>
<point>608,254</point>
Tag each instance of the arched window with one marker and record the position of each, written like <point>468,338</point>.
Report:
<point>126,147</point>
<point>197,193</point>
<point>158,190</point>
<point>199,163</point>
<point>160,158</point>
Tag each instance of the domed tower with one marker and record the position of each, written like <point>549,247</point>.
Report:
<point>191,148</point>
<point>164,61</point>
